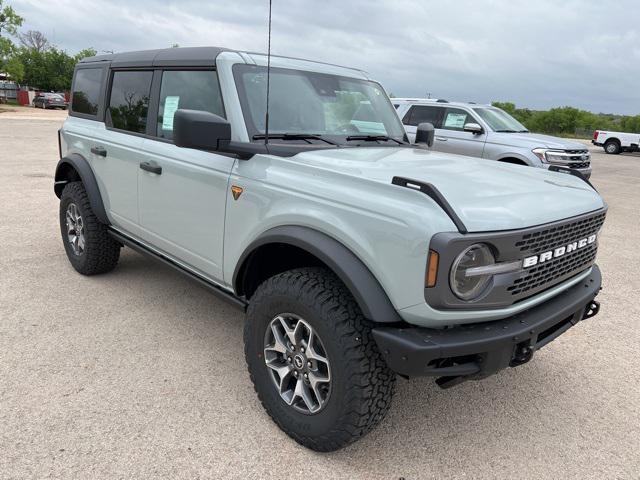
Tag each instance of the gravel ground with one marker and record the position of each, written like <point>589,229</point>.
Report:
<point>140,373</point>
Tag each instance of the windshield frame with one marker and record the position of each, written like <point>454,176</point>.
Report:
<point>341,139</point>
<point>519,127</point>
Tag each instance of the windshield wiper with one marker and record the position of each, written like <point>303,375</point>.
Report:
<point>294,136</point>
<point>523,131</point>
<point>373,138</point>
<point>507,131</point>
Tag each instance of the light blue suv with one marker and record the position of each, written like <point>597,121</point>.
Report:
<point>355,254</point>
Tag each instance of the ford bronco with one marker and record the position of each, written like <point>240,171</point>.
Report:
<point>356,255</point>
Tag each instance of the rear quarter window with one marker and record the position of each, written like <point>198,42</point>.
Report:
<point>87,86</point>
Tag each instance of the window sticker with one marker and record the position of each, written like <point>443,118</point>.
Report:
<point>170,107</point>
<point>455,120</point>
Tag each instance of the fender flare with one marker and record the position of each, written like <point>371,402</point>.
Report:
<point>79,164</point>
<point>362,284</point>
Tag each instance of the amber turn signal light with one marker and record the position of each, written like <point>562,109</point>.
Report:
<point>432,269</point>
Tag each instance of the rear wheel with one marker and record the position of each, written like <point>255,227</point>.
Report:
<point>86,240</point>
<point>612,147</point>
<point>313,361</point>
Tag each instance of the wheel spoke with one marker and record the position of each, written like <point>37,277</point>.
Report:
<point>302,392</point>
<point>312,353</point>
<point>300,332</point>
<point>280,343</point>
<point>283,371</point>
<point>288,331</point>
<point>81,242</point>
<point>315,380</point>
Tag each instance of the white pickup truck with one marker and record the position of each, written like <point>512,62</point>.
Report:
<point>616,142</point>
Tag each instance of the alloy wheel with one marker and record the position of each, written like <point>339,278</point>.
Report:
<point>298,363</point>
<point>75,229</point>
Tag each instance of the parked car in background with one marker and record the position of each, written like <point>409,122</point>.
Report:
<point>616,142</point>
<point>50,100</point>
<point>488,132</point>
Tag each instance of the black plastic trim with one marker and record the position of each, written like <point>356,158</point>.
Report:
<point>571,171</point>
<point>215,289</point>
<point>475,351</point>
<point>362,284</point>
<point>432,192</point>
<point>82,167</point>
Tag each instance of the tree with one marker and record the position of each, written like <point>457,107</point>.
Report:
<point>34,40</point>
<point>9,19</point>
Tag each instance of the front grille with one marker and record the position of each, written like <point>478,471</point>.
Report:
<point>579,165</point>
<point>577,154</point>
<point>547,274</point>
<point>557,236</point>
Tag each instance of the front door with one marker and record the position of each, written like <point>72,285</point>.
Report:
<point>450,137</point>
<point>183,192</point>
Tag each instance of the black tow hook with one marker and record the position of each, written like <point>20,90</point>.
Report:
<point>523,354</point>
<point>592,310</point>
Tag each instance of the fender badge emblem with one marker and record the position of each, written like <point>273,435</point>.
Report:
<point>236,191</point>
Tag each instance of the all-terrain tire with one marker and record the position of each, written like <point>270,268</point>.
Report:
<point>362,385</point>
<point>612,147</point>
<point>101,252</point>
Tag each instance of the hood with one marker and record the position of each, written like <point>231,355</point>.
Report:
<point>536,140</point>
<point>486,195</point>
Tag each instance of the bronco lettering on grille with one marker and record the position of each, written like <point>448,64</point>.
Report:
<point>558,252</point>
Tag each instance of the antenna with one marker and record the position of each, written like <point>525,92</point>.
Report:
<point>266,116</point>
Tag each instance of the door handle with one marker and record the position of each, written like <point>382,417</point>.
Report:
<point>442,139</point>
<point>151,168</point>
<point>99,151</point>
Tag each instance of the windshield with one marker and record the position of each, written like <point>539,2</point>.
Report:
<point>302,102</point>
<point>500,121</point>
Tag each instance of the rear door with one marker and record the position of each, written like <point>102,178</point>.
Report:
<point>418,114</point>
<point>116,149</point>
<point>451,138</point>
<point>182,196</point>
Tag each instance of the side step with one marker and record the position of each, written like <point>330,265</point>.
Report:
<point>215,289</point>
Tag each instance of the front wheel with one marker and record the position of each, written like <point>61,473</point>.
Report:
<point>313,361</point>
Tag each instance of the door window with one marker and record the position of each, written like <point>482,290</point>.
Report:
<point>129,100</point>
<point>193,90</point>
<point>86,91</point>
<point>455,119</point>
<point>418,114</point>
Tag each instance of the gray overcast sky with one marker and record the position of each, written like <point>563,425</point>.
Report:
<point>536,53</point>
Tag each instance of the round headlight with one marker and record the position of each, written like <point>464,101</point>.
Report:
<point>469,287</point>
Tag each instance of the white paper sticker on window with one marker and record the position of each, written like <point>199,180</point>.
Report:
<point>170,107</point>
<point>455,120</point>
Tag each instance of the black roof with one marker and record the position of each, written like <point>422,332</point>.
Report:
<point>166,57</point>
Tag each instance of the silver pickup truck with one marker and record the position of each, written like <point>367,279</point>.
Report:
<point>356,255</point>
<point>485,131</point>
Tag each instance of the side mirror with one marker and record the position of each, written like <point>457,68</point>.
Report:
<point>425,133</point>
<point>200,130</point>
<point>474,128</point>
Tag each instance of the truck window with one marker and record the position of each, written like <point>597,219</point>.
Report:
<point>87,85</point>
<point>193,90</point>
<point>129,100</point>
<point>418,114</point>
<point>455,119</point>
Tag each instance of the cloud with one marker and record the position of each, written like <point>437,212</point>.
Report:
<point>538,54</point>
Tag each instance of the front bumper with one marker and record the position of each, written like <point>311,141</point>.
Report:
<point>475,351</point>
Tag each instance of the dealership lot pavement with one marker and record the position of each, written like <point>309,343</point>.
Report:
<point>140,373</point>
